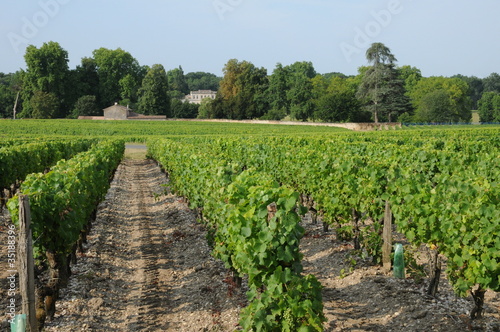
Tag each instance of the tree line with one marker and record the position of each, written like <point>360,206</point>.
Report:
<point>381,91</point>
<point>47,88</point>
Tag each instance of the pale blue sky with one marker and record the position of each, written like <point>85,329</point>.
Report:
<point>443,37</point>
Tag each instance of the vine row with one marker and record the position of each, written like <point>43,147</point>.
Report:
<point>62,202</point>
<point>17,161</point>
<point>255,231</point>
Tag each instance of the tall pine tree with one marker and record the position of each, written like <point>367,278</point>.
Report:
<point>382,90</point>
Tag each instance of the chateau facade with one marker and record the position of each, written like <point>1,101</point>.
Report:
<point>195,97</point>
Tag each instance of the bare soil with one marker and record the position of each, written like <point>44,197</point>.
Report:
<point>147,267</point>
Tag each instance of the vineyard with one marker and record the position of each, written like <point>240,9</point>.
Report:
<point>256,191</point>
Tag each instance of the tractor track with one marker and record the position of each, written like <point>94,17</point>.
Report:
<point>149,298</point>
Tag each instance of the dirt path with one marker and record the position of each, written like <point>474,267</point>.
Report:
<point>147,265</point>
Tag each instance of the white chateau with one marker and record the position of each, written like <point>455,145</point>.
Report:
<point>195,97</point>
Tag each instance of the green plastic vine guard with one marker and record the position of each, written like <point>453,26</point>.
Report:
<point>399,262</point>
<point>19,324</point>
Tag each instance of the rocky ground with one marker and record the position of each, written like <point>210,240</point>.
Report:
<point>147,267</point>
<point>358,296</point>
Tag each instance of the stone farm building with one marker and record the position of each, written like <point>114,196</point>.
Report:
<point>195,97</point>
<point>119,112</point>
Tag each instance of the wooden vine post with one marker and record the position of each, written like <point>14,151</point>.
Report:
<point>26,264</point>
<point>387,237</point>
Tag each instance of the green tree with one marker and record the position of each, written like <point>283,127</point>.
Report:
<point>397,100</point>
<point>10,86</point>
<point>46,71</point>
<point>215,109</point>
<point>183,110</point>
<point>476,88</point>
<point>382,90</point>
<point>277,93</point>
<point>274,114</point>
<point>82,81</point>
<point>496,108</point>
<point>120,76</point>
<point>177,83</point>
<point>337,107</point>
<point>489,107</point>
<point>242,92</point>
<point>492,83</point>
<point>87,77</point>
<point>153,95</point>
<point>290,91</point>
<point>202,81</point>
<point>410,75</point>
<point>129,89</point>
<point>337,102</point>
<point>86,106</point>
<point>300,90</point>
<point>457,91</point>
<point>435,107</point>
<point>44,105</point>
<point>320,85</point>
<point>378,54</point>
<point>229,87</point>
<point>358,79</point>
<point>334,74</point>
<point>6,100</point>
<point>205,109</point>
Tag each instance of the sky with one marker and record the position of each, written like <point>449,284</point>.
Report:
<point>441,38</point>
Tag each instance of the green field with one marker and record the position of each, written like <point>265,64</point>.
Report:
<point>139,130</point>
